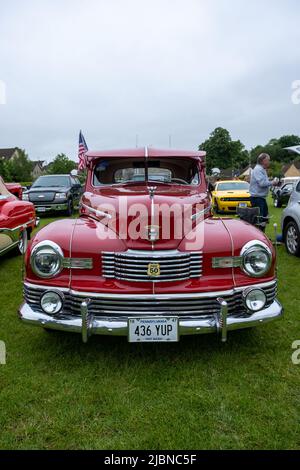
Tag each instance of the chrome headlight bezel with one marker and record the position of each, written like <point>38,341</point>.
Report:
<point>60,299</point>
<point>250,248</point>
<point>47,246</point>
<point>248,292</point>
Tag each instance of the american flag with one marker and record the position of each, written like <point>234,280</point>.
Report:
<point>82,149</point>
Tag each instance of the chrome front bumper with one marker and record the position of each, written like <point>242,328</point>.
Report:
<point>88,325</point>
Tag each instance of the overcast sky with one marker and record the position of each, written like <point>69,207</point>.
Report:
<point>118,68</point>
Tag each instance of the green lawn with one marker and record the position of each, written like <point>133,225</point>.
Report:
<point>56,393</point>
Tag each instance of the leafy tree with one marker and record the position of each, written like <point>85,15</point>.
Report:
<point>223,152</point>
<point>61,165</point>
<point>275,148</point>
<point>19,168</point>
<point>4,170</point>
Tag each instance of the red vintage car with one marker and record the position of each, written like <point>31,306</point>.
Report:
<point>17,220</point>
<point>15,189</point>
<point>146,259</point>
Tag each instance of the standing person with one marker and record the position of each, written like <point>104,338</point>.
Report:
<point>260,184</point>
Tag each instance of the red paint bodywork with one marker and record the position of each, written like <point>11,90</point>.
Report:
<point>15,189</point>
<point>80,238</point>
<point>14,215</point>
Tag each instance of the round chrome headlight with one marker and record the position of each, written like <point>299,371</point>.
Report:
<point>51,302</point>
<point>46,259</point>
<point>254,299</point>
<point>256,258</point>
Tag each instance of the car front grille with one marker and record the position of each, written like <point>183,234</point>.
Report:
<point>125,306</point>
<point>134,265</point>
<point>41,197</point>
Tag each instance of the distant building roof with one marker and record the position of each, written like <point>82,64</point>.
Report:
<point>7,153</point>
<point>296,164</point>
<point>229,173</point>
<point>246,171</point>
<point>38,162</point>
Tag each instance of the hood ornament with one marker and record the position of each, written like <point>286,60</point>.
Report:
<point>152,231</point>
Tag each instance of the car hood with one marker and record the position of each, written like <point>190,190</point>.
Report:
<point>47,189</point>
<point>133,209</point>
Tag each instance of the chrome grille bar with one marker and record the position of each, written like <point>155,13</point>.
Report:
<point>133,265</point>
<point>120,306</point>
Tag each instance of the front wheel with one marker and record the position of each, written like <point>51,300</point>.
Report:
<point>292,239</point>
<point>70,208</point>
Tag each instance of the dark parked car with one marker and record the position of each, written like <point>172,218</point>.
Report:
<point>282,195</point>
<point>55,193</point>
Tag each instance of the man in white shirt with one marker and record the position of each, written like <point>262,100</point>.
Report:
<point>260,184</point>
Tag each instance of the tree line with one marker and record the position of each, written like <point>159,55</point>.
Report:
<point>223,152</point>
<point>20,168</point>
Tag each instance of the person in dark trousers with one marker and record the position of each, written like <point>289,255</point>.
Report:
<point>260,184</point>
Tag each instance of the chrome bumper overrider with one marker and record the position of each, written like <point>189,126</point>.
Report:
<point>88,325</point>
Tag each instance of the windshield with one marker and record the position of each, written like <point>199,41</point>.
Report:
<point>182,171</point>
<point>233,186</point>
<point>51,181</point>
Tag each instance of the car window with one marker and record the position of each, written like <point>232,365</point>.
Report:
<point>233,186</point>
<point>179,171</point>
<point>53,180</point>
<point>287,187</point>
<point>298,187</point>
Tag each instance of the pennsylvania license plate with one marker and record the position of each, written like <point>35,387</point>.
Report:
<point>41,209</point>
<point>243,204</point>
<point>155,330</point>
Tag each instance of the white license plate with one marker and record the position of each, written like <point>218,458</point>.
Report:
<point>155,330</point>
<point>242,204</point>
<point>41,209</point>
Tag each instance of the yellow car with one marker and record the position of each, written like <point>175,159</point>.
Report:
<point>228,195</point>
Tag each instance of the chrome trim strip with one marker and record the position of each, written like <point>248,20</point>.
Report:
<point>96,211</point>
<point>199,214</point>
<point>18,227</point>
<point>78,263</point>
<point>152,254</point>
<point>154,296</point>
<point>227,262</point>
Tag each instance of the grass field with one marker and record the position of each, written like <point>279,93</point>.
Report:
<point>56,393</point>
